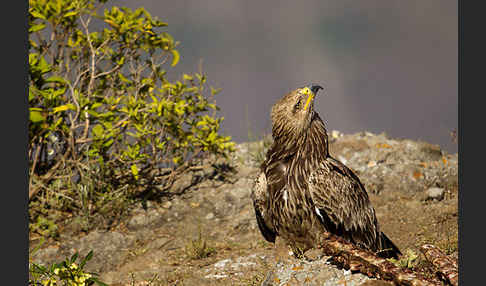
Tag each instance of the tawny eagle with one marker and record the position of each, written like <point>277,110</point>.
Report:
<point>302,191</point>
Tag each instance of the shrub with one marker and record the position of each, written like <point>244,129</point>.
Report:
<point>105,121</point>
<point>67,272</point>
<point>199,248</point>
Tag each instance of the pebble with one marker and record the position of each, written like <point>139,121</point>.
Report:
<point>215,276</point>
<point>167,205</point>
<point>209,216</point>
<point>435,194</point>
<point>222,263</point>
<point>371,163</point>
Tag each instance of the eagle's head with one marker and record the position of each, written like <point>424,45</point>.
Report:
<point>292,114</point>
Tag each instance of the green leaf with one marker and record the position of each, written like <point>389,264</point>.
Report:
<point>69,14</point>
<point>43,66</point>
<point>215,91</point>
<point>93,113</point>
<point>134,169</point>
<point>74,257</point>
<point>64,108</point>
<point>37,14</point>
<point>36,116</point>
<point>96,105</point>
<point>161,145</point>
<point>56,79</point>
<point>31,94</point>
<point>123,78</point>
<point>57,92</point>
<point>121,61</point>
<point>40,268</point>
<point>59,121</point>
<point>33,59</point>
<point>212,136</point>
<point>98,130</point>
<point>176,160</point>
<point>187,77</point>
<point>108,143</point>
<point>86,259</point>
<point>37,27</point>
<point>175,58</point>
<point>201,123</point>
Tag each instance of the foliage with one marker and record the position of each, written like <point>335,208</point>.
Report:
<point>258,149</point>
<point>408,260</point>
<point>67,273</point>
<point>45,227</point>
<point>199,248</point>
<point>104,117</point>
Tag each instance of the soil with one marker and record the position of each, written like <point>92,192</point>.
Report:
<point>208,235</point>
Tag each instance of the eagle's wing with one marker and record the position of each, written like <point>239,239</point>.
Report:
<point>342,204</point>
<point>259,195</point>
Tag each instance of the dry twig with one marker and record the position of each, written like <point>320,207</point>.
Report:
<point>446,267</point>
<point>351,257</point>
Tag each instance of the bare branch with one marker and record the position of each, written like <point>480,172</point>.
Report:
<point>85,25</point>
<point>52,171</point>
<point>366,262</point>
<point>446,266</point>
<point>108,72</point>
<point>36,157</point>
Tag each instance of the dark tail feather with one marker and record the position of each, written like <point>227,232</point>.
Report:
<point>388,248</point>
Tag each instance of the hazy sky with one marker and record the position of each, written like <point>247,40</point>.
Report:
<point>386,65</point>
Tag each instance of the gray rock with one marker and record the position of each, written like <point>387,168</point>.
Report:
<point>435,194</point>
<point>144,218</point>
<point>316,273</point>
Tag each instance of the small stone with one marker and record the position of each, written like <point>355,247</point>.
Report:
<point>137,221</point>
<point>209,216</point>
<point>167,205</point>
<point>435,194</point>
<point>371,163</point>
<point>215,276</point>
<point>222,263</point>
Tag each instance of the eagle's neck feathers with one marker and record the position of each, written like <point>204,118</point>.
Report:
<point>300,154</point>
<point>312,149</point>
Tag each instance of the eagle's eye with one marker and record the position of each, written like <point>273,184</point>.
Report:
<point>298,105</point>
<point>306,91</point>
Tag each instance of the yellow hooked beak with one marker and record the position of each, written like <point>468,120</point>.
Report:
<point>310,97</point>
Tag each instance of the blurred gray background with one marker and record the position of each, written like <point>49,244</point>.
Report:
<point>386,65</point>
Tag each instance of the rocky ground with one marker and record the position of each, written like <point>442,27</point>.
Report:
<point>208,235</point>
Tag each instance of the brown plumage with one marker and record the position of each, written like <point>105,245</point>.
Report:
<point>302,191</point>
